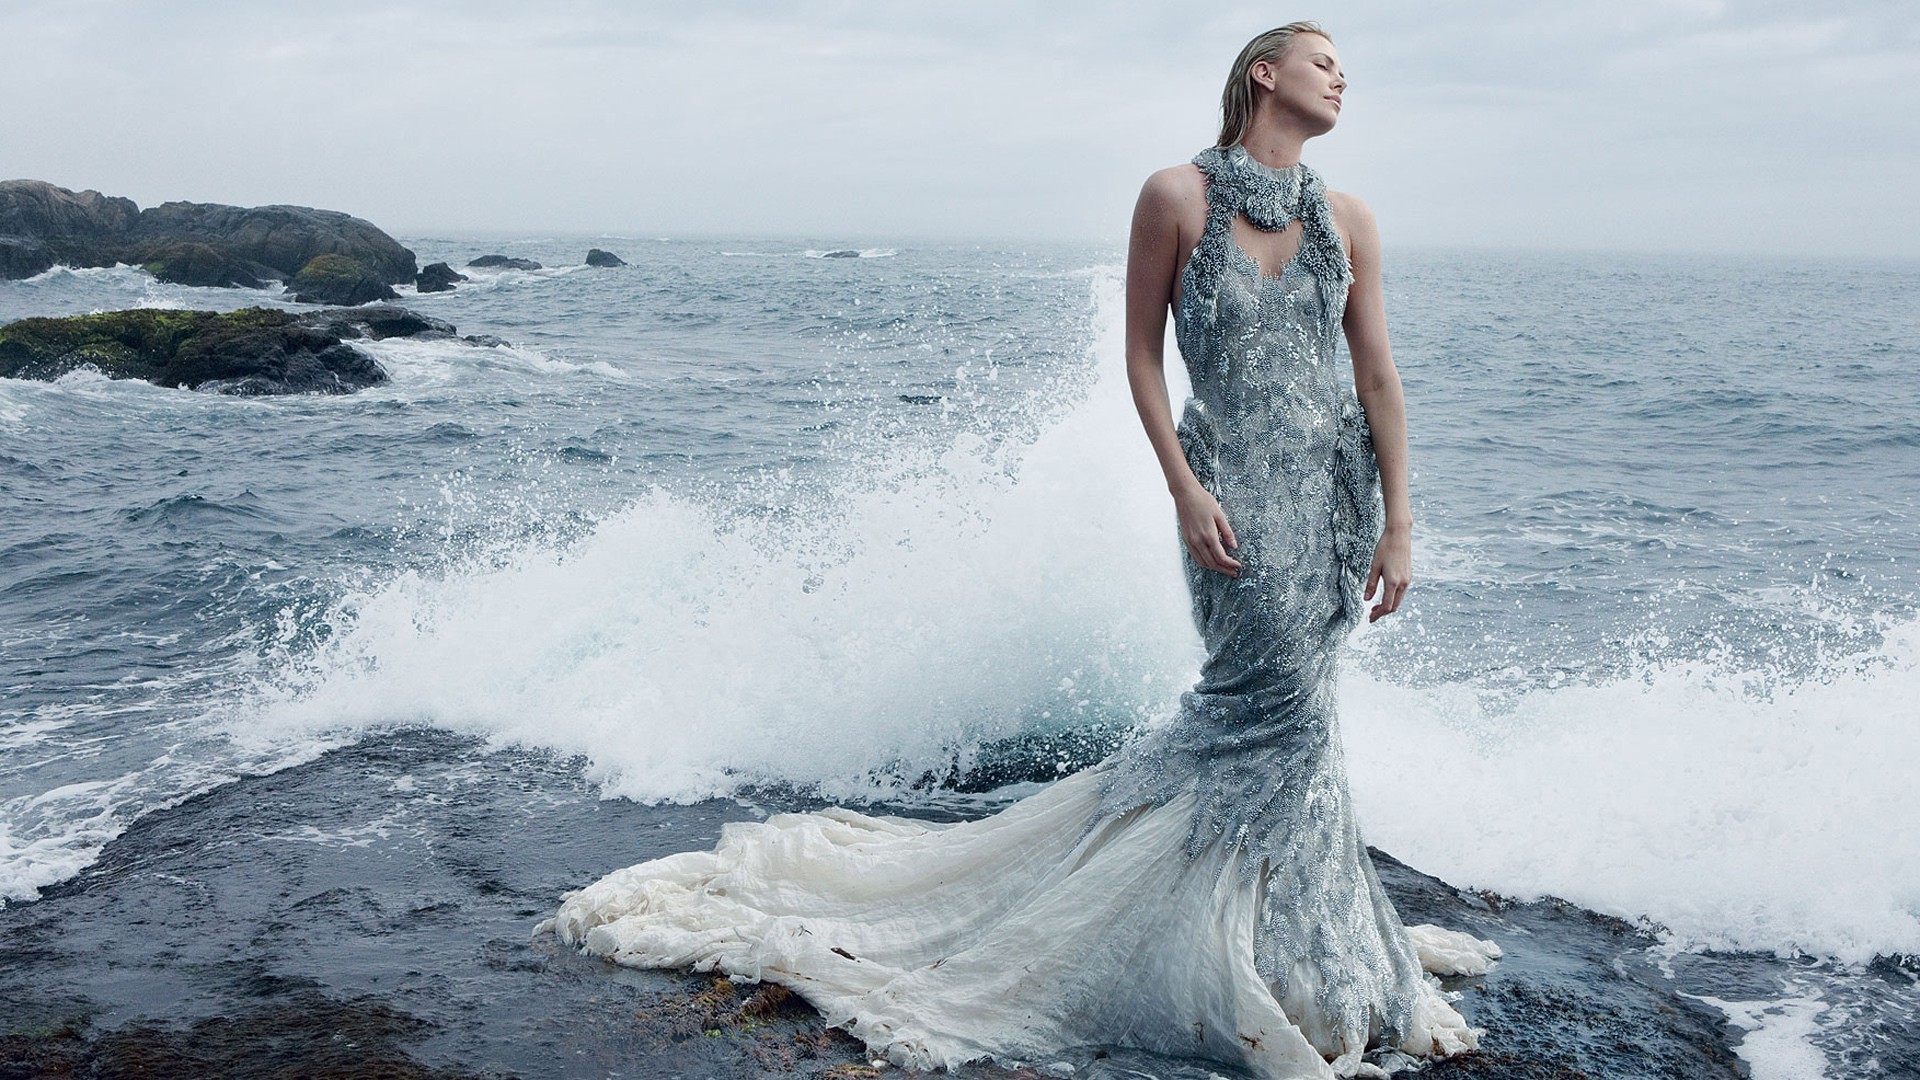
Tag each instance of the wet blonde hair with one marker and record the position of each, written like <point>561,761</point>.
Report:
<point>1236,101</point>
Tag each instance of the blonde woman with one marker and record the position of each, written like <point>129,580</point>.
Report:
<point>1204,892</point>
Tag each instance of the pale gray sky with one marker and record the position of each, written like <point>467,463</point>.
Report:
<point>1670,125</point>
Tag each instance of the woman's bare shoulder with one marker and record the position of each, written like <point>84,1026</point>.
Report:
<point>1177,185</point>
<point>1348,205</point>
<point>1354,218</point>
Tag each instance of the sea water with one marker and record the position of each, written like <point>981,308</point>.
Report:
<point>740,516</point>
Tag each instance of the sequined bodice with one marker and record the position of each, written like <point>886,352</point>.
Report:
<point>1273,401</point>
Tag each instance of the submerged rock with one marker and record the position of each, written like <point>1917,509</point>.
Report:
<point>502,262</point>
<point>437,277</point>
<point>378,321</point>
<point>840,253</point>
<point>597,257</point>
<point>251,351</point>
<point>338,279</point>
<point>42,224</point>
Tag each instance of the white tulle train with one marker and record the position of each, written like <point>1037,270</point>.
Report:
<point>1015,937</point>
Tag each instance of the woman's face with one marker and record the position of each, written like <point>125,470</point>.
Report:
<point>1307,82</point>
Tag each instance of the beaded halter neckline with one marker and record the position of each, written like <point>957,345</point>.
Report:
<point>1270,197</point>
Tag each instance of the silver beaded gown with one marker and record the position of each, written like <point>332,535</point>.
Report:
<point>1204,892</point>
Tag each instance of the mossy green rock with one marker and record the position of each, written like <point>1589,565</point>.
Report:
<point>251,351</point>
<point>338,279</point>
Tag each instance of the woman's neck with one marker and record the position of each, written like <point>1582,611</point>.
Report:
<point>1273,143</point>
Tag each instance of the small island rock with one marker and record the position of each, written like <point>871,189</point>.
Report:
<point>438,277</point>
<point>597,257</point>
<point>502,262</point>
<point>42,225</point>
<point>251,351</point>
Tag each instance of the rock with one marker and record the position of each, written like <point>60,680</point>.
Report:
<point>21,257</point>
<point>437,277</point>
<point>188,263</point>
<point>501,262</point>
<point>42,224</point>
<point>488,341</point>
<point>338,279</point>
<point>251,351</point>
<point>840,253</point>
<point>285,238</point>
<point>376,322</point>
<point>66,223</point>
<point>596,257</point>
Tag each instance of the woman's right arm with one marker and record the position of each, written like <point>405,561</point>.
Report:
<point>1153,253</point>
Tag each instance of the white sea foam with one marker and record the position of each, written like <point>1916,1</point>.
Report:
<point>685,649</point>
<point>1731,814</point>
<point>1775,1045</point>
<point>414,363</point>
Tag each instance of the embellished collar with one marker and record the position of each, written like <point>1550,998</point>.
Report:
<point>1270,198</point>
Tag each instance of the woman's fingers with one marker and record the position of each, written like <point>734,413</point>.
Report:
<point>1208,551</point>
<point>1221,538</point>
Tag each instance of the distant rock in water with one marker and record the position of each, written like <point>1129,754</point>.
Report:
<point>438,277</point>
<point>596,257</point>
<point>251,351</point>
<point>189,263</point>
<point>338,279</point>
<point>841,253</point>
<point>42,225</point>
<point>501,262</point>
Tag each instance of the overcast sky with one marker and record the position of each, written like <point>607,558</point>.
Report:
<point>1668,125</point>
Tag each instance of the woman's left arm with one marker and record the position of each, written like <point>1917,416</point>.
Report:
<point>1377,382</point>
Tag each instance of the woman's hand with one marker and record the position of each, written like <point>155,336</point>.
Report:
<point>1203,525</point>
<point>1392,569</point>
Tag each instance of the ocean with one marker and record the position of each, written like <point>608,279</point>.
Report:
<point>739,525</point>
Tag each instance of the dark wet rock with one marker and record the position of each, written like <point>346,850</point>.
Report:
<point>22,258</point>
<point>188,263</point>
<point>1576,994</point>
<point>378,321</point>
<point>42,224</point>
<point>502,262</point>
<point>285,238</point>
<point>597,257</point>
<point>840,253</point>
<point>339,1040</point>
<point>268,893</point>
<point>251,351</point>
<point>338,279</point>
<point>62,221</point>
<point>438,277</point>
<point>489,341</point>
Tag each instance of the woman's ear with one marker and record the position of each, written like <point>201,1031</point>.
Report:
<point>1263,74</point>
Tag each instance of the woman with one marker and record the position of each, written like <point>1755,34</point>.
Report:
<point>1204,892</point>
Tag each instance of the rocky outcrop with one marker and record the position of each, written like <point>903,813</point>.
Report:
<point>596,257</point>
<point>188,263</point>
<point>502,262</point>
<point>251,351</point>
<point>338,279</point>
<point>190,243</point>
<point>437,277</point>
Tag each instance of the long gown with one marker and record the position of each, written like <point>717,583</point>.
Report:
<point>1203,892</point>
